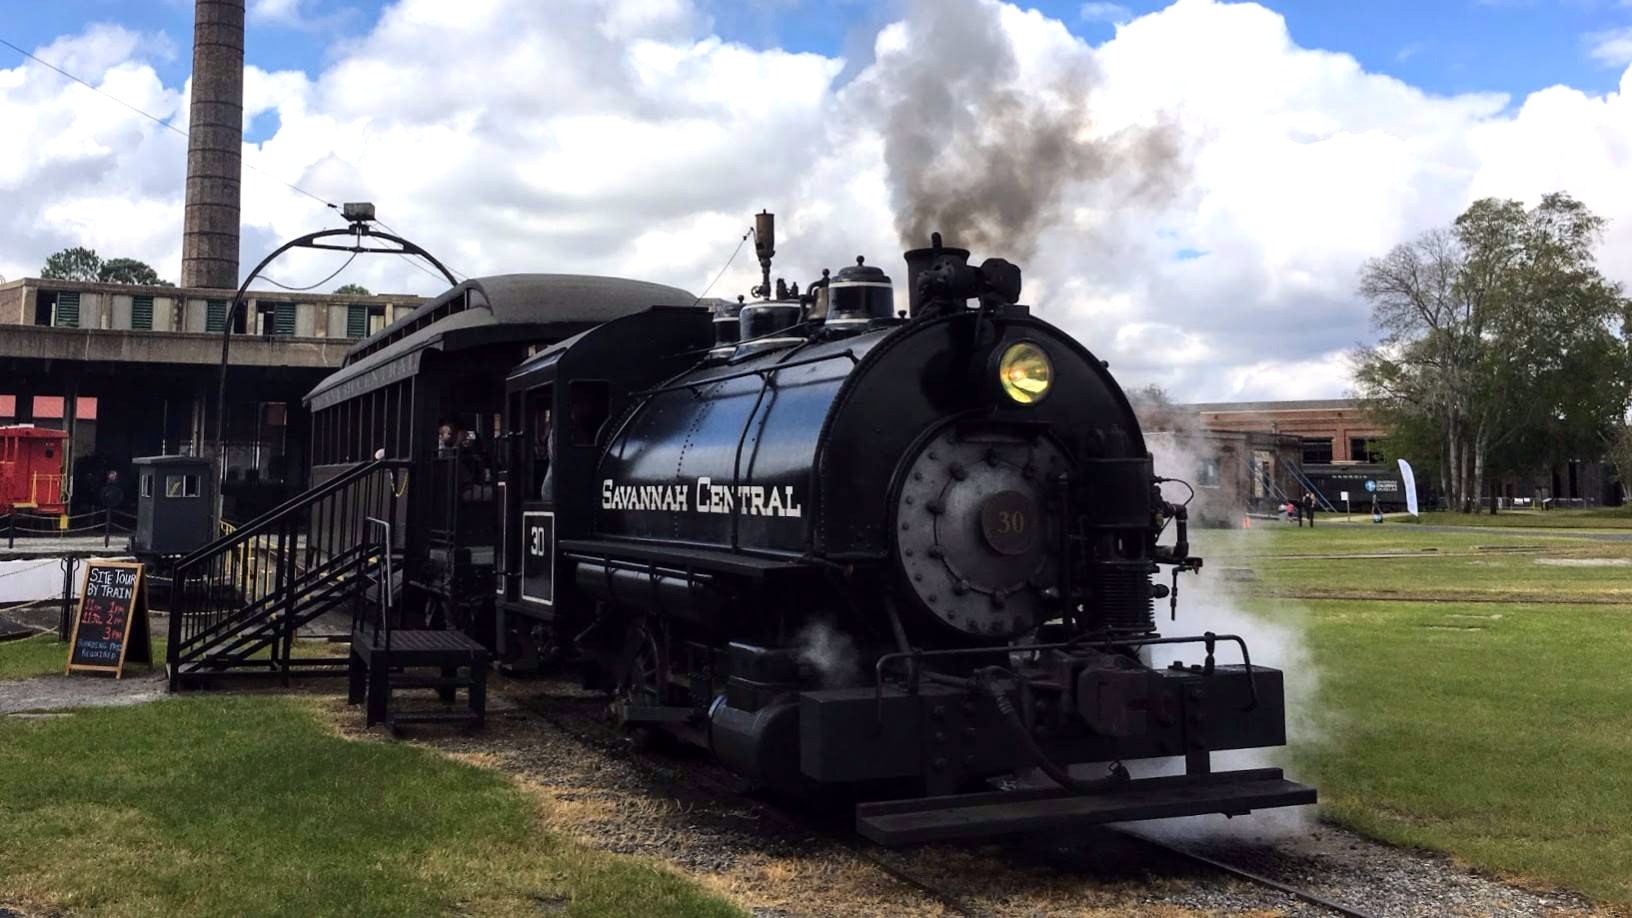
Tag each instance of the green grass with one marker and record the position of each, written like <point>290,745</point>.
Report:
<point>1498,732</point>
<point>39,655</point>
<point>249,805</point>
<point>44,655</point>
<point>1586,518</point>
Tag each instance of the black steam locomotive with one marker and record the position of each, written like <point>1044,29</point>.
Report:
<point>829,542</point>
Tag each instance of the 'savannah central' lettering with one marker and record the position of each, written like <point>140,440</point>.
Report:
<point>747,499</point>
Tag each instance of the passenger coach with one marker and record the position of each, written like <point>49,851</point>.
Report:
<point>427,391</point>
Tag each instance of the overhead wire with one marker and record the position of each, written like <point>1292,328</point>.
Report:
<point>320,283</point>
<point>159,121</point>
<point>458,274</point>
<point>734,253</point>
<point>249,165</point>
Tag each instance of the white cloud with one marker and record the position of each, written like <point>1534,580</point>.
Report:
<point>1612,47</point>
<point>280,11</point>
<point>297,14</point>
<point>623,137</point>
<point>1099,11</point>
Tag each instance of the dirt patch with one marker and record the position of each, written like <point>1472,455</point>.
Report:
<point>1585,562</point>
<point>81,690</point>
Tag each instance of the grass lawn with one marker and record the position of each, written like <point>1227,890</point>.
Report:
<point>1498,732</point>
<point>1586,518</point>
<point>250,805</point>
<point>43,655</point>
<point>40,655</point>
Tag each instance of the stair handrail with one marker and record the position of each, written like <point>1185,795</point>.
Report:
<point>245,531</point>
<point>385,584</point>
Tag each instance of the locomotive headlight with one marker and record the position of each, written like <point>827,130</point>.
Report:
<point>1025,372</point>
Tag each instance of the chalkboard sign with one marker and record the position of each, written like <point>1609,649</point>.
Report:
<point>110,626</point>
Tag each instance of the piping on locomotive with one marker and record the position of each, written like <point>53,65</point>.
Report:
<point>839,545</point>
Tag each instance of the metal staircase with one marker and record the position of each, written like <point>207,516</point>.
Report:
<point>238,602</point>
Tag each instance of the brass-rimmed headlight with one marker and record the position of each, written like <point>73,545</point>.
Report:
<point>1025,372</point>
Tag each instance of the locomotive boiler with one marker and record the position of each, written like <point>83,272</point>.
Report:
<point>911,552</point>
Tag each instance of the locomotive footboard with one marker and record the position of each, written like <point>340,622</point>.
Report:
<point>985,815</point>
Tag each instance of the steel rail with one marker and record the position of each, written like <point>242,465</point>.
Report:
<point>856,847</point>
<point>1250,876</point>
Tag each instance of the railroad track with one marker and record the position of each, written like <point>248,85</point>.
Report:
<point>1251,877</point>
<point>580,720</point>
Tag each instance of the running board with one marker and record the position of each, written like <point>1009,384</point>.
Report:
<point>984,815</point>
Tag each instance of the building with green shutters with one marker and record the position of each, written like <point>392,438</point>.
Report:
<point>132,371</point>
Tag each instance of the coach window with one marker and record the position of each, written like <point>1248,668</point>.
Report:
<point>589,402</point>
<point>540,442</point>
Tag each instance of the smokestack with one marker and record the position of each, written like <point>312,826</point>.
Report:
<point>209,238</point>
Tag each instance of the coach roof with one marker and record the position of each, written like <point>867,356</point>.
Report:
<point>485,310</point>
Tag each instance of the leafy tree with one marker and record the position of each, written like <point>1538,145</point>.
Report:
<point>353,290</point>
<point>1154,408</point>
<point>129,271</point>
<point>1501,341</point>
<point>82,264</point>
<point>77,264</point>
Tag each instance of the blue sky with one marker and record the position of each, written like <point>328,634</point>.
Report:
<point>1449,46</point>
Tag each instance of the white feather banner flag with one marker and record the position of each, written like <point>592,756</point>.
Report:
<point>1409,481</point>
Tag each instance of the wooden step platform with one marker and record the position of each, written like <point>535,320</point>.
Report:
<point>381,664</point>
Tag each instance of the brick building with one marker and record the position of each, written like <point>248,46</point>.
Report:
<point>1338,431</point>
<point>1329,430</point>
<point>1234,472</point>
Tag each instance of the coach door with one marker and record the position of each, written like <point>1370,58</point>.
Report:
<point>537,476</point>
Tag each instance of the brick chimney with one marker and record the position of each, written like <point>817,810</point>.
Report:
<point>209,239</point>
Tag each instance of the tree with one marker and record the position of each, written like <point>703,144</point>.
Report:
<point>352,290</point>
<point>129,271</point>
<point>82,264</point>
<point>77,264</point>
<point>1154,408</point>
<point>1501,340</point>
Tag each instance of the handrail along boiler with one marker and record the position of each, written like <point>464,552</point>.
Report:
<point>837,544</point>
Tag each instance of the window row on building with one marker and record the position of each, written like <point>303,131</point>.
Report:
<point>272,316</point>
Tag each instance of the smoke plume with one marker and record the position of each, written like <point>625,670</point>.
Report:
<point>830,652</point>
<point>975,153</point>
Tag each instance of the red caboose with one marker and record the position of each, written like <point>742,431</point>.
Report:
<point>31,469</point>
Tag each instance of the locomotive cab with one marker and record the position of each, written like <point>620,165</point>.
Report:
<point>560,405</point>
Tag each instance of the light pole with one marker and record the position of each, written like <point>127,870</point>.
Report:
<point>358,216</point>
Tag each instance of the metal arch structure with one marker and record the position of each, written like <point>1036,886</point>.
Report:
<point>358,230</point>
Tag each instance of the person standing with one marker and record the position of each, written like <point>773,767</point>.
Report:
<point>1309,507</point>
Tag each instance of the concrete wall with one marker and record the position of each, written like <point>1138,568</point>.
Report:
<point>124,346</point>
<point>11,304</point>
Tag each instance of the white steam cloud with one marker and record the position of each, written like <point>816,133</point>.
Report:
<point>1207,602</point>
<point>830,652</point>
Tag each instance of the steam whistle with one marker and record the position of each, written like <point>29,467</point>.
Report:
<point>765,248</point>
